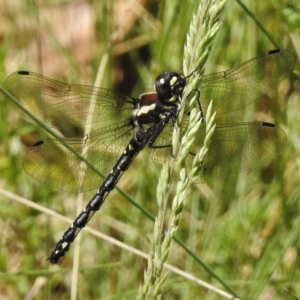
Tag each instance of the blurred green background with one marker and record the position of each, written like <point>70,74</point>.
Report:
<point>246,228</point>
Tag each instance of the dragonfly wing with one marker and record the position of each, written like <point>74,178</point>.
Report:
<point>237,147</point>
<point>234,148</point>
<point>65,106</point>
<point>74,164</point>
<point>161,150</point>
<point>238,87</point>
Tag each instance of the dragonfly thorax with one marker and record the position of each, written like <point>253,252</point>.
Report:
<point>150,109</point>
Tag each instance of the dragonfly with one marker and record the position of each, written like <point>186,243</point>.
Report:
<point>121,126</point>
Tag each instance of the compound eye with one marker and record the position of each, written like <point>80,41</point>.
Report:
<point>163,86</point>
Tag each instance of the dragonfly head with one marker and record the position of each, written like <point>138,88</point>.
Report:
<point>169,86</point>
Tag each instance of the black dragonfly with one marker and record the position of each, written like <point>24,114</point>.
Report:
<point>121,126</point>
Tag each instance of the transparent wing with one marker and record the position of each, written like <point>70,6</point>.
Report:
<point>234,148</point>
<point>65,106</point>
<point>239,147</point>
<point>245,83</point>
<point>53,163</point>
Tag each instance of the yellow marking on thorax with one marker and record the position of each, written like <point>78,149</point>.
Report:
<point>145,109</point>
